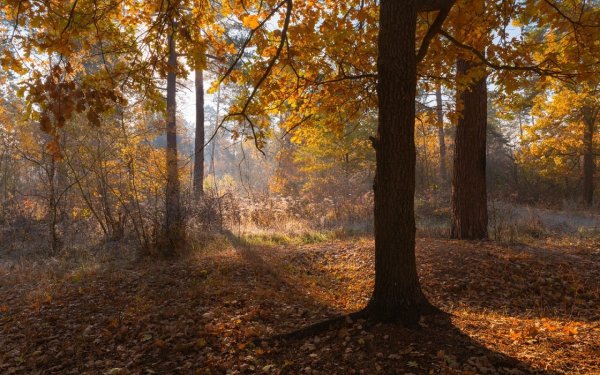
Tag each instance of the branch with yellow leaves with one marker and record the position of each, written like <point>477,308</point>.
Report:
<point>559,74</point>
<point>243,113</point>
<point>251,35</point>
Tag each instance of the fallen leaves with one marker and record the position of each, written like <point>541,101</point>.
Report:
<point>510,315</point>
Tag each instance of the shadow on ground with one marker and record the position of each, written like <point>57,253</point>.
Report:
<point>201,313</point>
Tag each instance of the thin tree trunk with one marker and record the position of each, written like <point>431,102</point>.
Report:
<point>441,137</point>
<point>173,217</point>
<point>397,295</point>
<point>469,194</point>
<point>199,143</point>
<point>425,170</point>
<point>55,241</point>
<point>62,180</point>
<point>588,157</point>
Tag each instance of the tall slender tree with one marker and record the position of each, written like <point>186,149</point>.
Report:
<point>173,217</point>
<point>441,136</point>
<point>200,139</point>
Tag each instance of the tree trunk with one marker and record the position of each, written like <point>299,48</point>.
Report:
<point>173,217</point>
<point>441,137</point>
<point>63,187</point>
<point>397,295</point>
<point>53,200</point>
<point>588,157</point>
<point>469,195</point>
<point>199,143</point>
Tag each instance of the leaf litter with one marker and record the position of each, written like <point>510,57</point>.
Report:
<point>514,310</point>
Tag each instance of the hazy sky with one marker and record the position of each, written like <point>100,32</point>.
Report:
<point>186,99</point>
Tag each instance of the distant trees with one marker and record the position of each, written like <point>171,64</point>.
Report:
<point>589,114</point>
<point>560,136</point>
<point>562,140</point>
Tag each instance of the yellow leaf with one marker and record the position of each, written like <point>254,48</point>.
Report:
<point>251,21</point>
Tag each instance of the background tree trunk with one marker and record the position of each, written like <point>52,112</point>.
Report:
<point>441,136</point>
<point>397,295</point>
<point>173,217</point>
<point>588,157</point>
<point>53,210</point>
<point>199,143</point>
<point>469,193</point>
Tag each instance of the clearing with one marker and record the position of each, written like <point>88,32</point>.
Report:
<point>515,309</point>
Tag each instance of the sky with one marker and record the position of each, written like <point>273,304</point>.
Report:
<point>186,99</point>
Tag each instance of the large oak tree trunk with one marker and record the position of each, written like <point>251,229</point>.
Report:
<point>588,157</point>
<point>441,136</point>
<point>199,143</point>
<point>469,194</point>
<point>397,295</point>
<point>173,218</point>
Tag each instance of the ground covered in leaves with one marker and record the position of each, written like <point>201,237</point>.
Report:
<point>514,310</point>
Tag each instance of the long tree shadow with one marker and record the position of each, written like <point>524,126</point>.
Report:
<point>349,346</point>
<point>437,347</point>
<point>188,315</point>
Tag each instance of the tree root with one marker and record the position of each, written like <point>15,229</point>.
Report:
<point>314,329</point>
<point>427,309</point>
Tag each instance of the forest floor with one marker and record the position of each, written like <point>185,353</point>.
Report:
<point>515,309</point>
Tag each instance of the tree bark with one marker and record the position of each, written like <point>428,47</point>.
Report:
<point>469,194</point>
<point>173,217</point>
<point>199,143</point>
<point>397,296</point>
<point>433,5</point>
<point>441,136</point>
<point>589,166</point>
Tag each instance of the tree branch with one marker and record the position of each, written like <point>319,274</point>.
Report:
<point>243,113</point>
<point>71,15</point>
<point>529,68</point>
<point>433,30</point>
<point>247,41</point>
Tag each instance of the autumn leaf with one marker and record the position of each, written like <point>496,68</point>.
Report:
<point>250,21</point>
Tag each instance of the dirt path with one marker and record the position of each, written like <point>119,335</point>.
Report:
<point>515,310</point>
